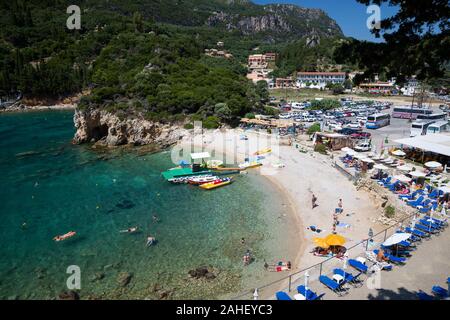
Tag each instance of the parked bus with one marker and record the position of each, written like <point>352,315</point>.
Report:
<point>433,116</point>
<point>410,113</point>
<point>438,127</point>
<point>378,120</point>
<point>420,127</point>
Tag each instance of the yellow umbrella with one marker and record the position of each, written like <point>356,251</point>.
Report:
<point>335,240</point>
<point>320,242</point>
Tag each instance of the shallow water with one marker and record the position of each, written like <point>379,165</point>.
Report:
<point>50,187</point>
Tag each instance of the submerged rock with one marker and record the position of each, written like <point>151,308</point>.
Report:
<point>125,204</point>
<point>124,278</point>
<point>69,295</point>
<point>202,272</point>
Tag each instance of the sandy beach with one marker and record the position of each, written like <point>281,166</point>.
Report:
<point>302,175</point>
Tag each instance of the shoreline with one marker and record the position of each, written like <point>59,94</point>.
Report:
<point>59,107</point>
<point>302,175</point>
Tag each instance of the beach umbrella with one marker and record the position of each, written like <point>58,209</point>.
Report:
<point>359,156</point>
<point>417,174</point>
<point>255,294</point>
<point>405,167</point>
<point>396,238</point>
<point>433,165</point>
<point>306,282</point>
<point>335,240</point>
<point>367,160</point>
<point>321,243</point>
<point>380,167</point>
<point>399,153</point>
<point>445,189</point>
<point>402,178</point>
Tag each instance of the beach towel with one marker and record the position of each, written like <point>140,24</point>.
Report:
<point>343,225</point>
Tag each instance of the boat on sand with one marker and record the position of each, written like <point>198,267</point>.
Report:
<point>216,184</point>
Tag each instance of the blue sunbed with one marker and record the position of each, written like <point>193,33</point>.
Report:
<point>417,233</point>
<point>350,278</point>
<point>308,294</point>
<point>427,229</point>
<point>281,295</point>
<point>392,258</point>
<point>331,284</point>
<point>424,296</point>
<point>358,265</point>
<point>440,292</point>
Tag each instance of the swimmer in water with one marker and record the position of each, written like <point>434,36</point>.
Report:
<point>155,218</point>
<point>129,230</point>
<point>150,241</point>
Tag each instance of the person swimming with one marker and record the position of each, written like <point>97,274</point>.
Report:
<point>150,241</point>
<point>129,230</point>
<point>65,236</point>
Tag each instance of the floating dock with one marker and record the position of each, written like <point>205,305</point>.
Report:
<point>182,172</point>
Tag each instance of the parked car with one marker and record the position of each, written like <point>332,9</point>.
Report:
<point>348,131</point>
<point>361,135</point>
<point>363,147</point>
<point>353,126</point>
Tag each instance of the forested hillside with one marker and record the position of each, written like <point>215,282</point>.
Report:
<point>147,53</point>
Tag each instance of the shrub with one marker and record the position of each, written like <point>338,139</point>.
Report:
<point>189,126</point>
<point>321,148</point>
<point>249,116</point>
<point>389,211</point>
<point>211,122</point>
<point>314,128</point>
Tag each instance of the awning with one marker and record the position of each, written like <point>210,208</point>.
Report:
<point>201,155</point>
<point>437,143</point>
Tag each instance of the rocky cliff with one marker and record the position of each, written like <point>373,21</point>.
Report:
<point>100,126</point>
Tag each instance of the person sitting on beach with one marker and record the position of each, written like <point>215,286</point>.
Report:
<point>381,257</point>
<point>313,200</point>
<point>289,265</point>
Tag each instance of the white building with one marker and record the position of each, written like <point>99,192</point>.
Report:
<point>319,80</point>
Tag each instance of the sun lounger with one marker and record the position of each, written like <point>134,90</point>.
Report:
<point>415,203</point>
<point>427,229</point>
<point>427,223</point>
<point>437,221</point>
<point>440,292</point>
<point>392,258</point>
<point>332,285</point>
<point>350,278</point>
<point>417,233</point>
<point>308,294</point>
<point>358,265</point>
<point>408,196</point>
<point>424,296</point>
<point>281,295</point>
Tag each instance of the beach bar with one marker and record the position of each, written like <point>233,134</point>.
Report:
<point>333,141</point>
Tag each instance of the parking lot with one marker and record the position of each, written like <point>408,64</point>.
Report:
<point>382,137</point>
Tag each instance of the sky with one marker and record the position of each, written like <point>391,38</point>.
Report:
<point>349,14</point>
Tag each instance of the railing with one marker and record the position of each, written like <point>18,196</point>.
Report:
<point>288,283</point>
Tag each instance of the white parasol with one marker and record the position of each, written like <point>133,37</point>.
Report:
<point>399,153</point>
<point>402,178</point>
<point>405,167</point>
<point>396,238</point>
<point>417,174</point>
<point>380,167</point>
<point>433,165</point>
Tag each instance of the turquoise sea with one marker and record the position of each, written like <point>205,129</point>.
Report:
<point>50,187</point>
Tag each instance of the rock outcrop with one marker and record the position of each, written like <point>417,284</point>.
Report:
<point>96,125</point>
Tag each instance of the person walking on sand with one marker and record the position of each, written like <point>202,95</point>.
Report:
<point>340,206</point>
<point>314,200</point>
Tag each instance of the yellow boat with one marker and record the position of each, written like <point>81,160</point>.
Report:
<point>216,184</point>
<point>249,165</point>
<point>264,151</point>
